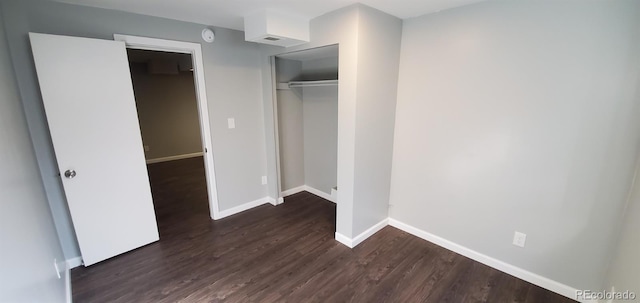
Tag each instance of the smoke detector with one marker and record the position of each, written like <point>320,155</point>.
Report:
<point>208,35</point>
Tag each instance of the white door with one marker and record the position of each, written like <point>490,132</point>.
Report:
<point>88,98</point>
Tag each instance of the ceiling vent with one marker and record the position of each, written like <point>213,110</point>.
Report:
<point>276,28</point>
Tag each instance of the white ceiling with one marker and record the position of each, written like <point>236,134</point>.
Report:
<point>230,13</point>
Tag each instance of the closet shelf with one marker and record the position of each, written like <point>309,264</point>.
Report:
<point>313,83</point>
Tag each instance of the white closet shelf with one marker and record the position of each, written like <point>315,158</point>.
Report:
<point>313,83</point>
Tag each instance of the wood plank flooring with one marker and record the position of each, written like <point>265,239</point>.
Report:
<point>282,254</point>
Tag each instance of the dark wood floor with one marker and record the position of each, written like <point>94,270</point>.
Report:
<point>282,254</point>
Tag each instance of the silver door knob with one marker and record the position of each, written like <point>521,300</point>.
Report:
<point>70,173</point>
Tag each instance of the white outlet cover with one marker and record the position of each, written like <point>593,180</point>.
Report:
<point>231,122</point>
<point>264,180</point>
<point>519,239</point>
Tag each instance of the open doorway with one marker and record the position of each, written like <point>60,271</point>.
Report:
<point>194,52</point>
<point>306,110</point>
<point>167,107</point>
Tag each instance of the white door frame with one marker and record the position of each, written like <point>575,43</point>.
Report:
<point>135,42</point>
<point>276,132</point>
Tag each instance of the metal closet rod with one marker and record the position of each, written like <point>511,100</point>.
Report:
<point>312,83</point>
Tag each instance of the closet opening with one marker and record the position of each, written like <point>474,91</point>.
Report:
<point>306,115</point>
<point>167,107</point>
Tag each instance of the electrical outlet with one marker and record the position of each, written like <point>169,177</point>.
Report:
<point>146,148</point>
<point>231,122</point>
<point>519,239</point>
<point>264,180</point>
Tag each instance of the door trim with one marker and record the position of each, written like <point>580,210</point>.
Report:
<point>144,43</point>
<point>276,129</point>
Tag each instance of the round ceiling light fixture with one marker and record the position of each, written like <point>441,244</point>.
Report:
<point>208,35</point>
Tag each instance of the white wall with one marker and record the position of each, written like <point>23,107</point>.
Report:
<point>625,268</point>
<point>520,115</point>
<point>233,81</point>
<point>321,68</point>
<point>624,273</point>
<point>290,126</point>
<point>320,125</point>
<point>320,118</point>
<point>27,233</point>
<point>291,136</point>
<point>167,112</point>
<point>379,36</point>
<point>308,125</point>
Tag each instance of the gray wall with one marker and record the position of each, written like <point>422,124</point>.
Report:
<point>290,126</point>
<point>379,36</point>
<point>320,115</point>
<point>167,111</point>
<point>520,115</point>
<point>308,125</point>
<point>233,81</point>
<point>27,233</point>
<point>320,118</point>
<point>624,273</point>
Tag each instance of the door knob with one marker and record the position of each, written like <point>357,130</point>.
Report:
<point>70,173</point>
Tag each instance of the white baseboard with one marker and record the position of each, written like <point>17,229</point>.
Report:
<point>272,201</point>
<point>309,189</point>
<point>344,240</point>
<point>74,262</point>
<point>172,158</point>
<point>319,193</point>
<point>528,276</point>
<point>351,243</point>
<point>369,232</point>
<point>243,207</point>
<point>293,191</point>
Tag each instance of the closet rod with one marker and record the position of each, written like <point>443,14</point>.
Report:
<point>313,83</point>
